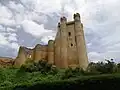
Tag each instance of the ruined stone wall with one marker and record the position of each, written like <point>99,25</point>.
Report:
<point>37,53</point>
<point>40,52</point>
<point>29,54</point>
<point>50,52</point>
<point>21,58</point>
<point>44,50</point>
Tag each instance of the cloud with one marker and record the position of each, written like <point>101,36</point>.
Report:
<point>95,57</point>
<point>12,37</point>
<point>38,31</point>
<point>3,40</point>
<point>5,13</point>
<point>33,28</point>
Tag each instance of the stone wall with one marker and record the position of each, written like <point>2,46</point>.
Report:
<point>50,52</point>
<point>21,58</point>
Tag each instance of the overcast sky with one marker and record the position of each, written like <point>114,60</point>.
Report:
<point>29,22</point>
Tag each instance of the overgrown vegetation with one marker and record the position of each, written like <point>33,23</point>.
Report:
<point>40,73</point>
<point>99,82</point>
<point>42,66</point>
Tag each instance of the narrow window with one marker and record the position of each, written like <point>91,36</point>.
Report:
<point>69,33</point>
<point>71,44</point>
<point>75,39</point>
<point>29,56</point>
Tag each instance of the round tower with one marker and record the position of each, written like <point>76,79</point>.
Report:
<point>57,47</point>
<point>51,52</point>
<point>80,42</point>
<point>37,53</point>
<point>63,42</point>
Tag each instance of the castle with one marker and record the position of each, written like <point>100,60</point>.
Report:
<point>67,50</point>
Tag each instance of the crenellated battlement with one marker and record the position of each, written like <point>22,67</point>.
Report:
<point>76,17</point>
<point>63,19</point>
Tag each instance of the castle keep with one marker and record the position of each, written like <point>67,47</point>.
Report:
<point>68,48</point>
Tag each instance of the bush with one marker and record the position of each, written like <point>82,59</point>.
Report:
<point>102,68</point>
<point>41,66</point>
<point>5,83</point>
<point>73,73</point>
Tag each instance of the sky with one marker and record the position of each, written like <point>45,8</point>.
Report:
<point>29,22</point>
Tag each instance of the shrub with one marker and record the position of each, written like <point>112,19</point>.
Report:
<point>85,83</point>
<point>102,68</point>
<point>5,83</point>
<point>72,73</point>
<point>41,66</point>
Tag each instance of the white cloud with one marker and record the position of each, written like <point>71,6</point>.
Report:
<point>7,22</point>
<point>5,13</point>
<point>94,56</point>
<point>16,7</point>
<point>45,39</point>
<point>3,40</point>
<point>14,45</point>
<point>10,30</point>
<point>12,37</point>
<point>9,41</point>
<point>33,28</point>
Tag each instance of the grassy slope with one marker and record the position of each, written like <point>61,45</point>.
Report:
<point>110,81</point>
<point>13,78</point>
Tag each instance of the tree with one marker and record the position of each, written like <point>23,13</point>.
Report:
<point>100,67</point>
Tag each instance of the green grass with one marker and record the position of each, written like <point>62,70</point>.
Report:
<point>13,79</point>
<point>111,81</point>
<point>19,79</point>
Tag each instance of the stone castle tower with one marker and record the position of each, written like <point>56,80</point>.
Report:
<point>67,50</point>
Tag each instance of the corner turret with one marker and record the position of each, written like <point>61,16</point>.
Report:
<point>51,51</point>
<point>63,19</point>
<point>80,42</point>
<point>63,42</point>
<point>76,17</point>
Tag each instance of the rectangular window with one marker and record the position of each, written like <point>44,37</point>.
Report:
<point>69,33</point>
<point>71,44</point>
